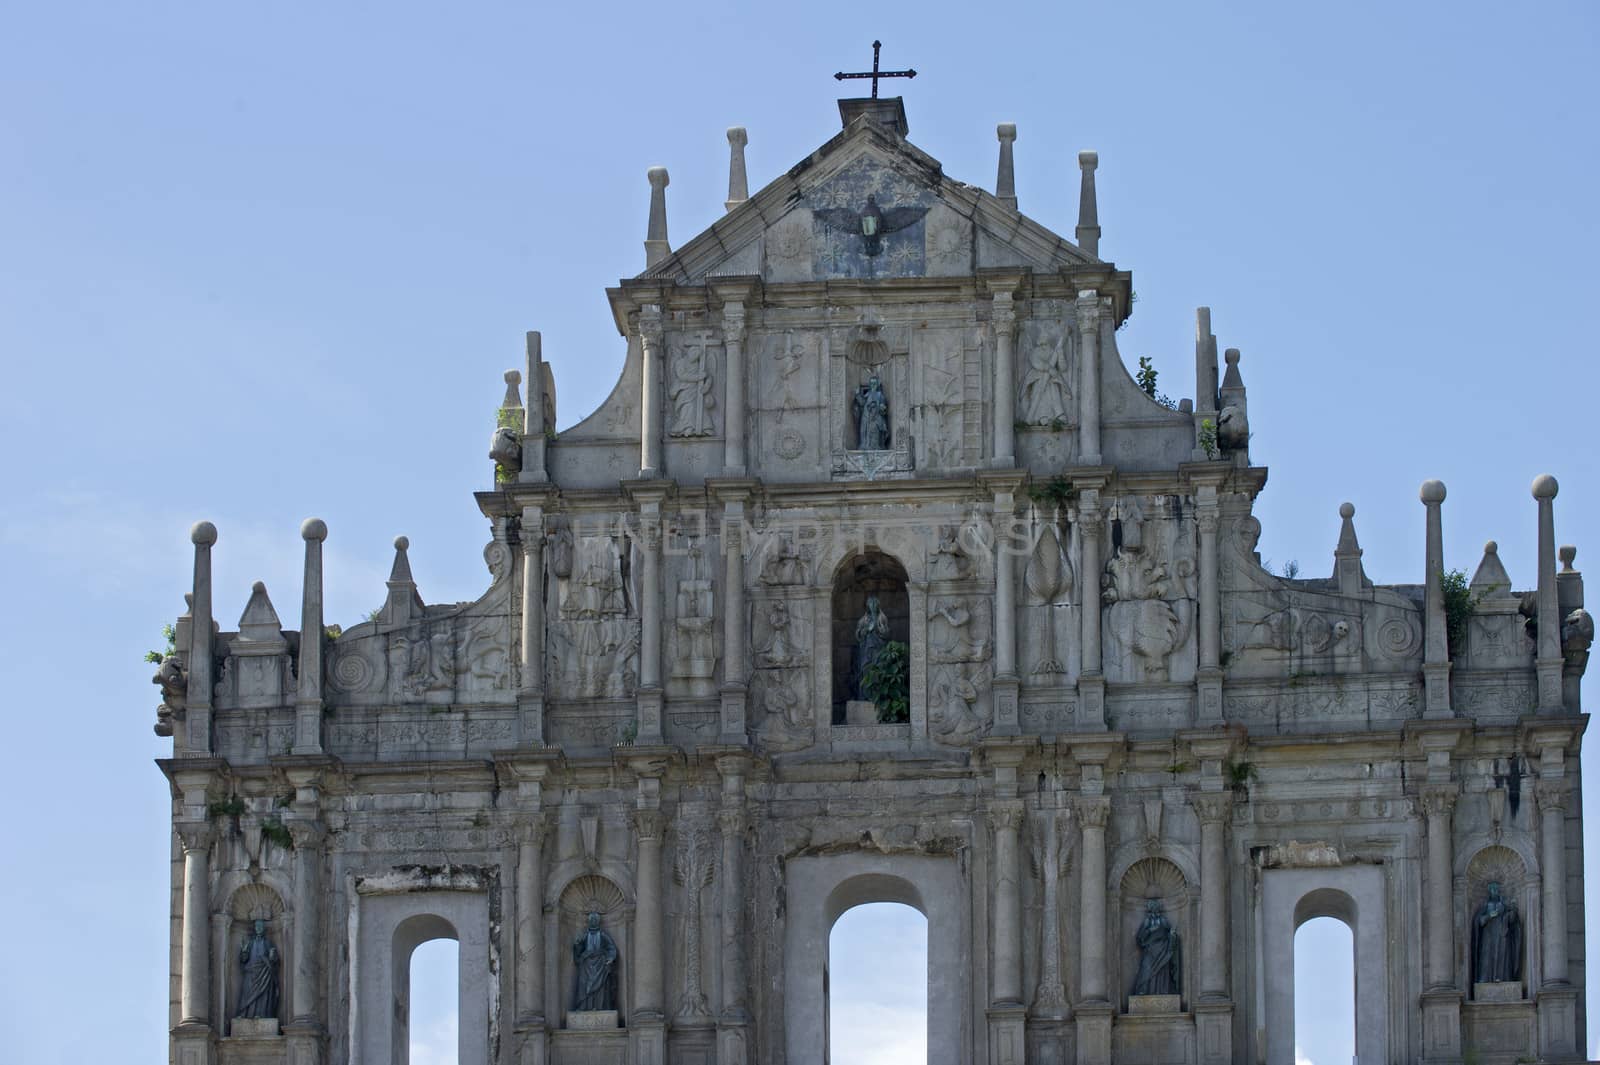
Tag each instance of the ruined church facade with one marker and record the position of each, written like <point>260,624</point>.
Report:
<point>878,577</point>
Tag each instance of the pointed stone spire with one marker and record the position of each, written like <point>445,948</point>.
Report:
<point>1547,654</point>
<point>404,603</point>
<point>656,247</point>
<point>308,693</point>
<point>1088,208</point>
<point>1005,183</point>
<point>738,181</point>
<point>1491,577</point>
<point>1347,554</point>
<point>1233,417</point>
<point>513,399</point>
<point>259,623</point>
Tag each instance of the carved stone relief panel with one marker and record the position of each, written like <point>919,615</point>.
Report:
<point>782,637</point>
<point>790,247</point>
<point>1049,614</point>
<point>947,394</point>
<point>1149,592</point>
<point>1046,371</point>
<point>594,639</point>
<point>949,243</point>
<point>1269,633</point>
<point>788,400</point>
<point>693,366</point>
<point>868,221</point>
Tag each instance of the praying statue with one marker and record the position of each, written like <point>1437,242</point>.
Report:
<point>258,983</point>
<point>1160,954</point>
<point>1496,940</point>
<point>594,964</point>
<point>872,633</point>
<point>872,416</point>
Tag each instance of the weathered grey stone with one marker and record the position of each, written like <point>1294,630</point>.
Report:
<point>652,713</point>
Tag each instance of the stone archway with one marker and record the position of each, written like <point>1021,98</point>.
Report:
<point>1353,894</point>
<point>819,888</point>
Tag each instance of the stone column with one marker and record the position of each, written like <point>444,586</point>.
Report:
<point>1088,308</point>
<point>308,694</point>
<point>738,182</point>
<point>1005,389</point>
<point>308,835</point>
<point>195,988</point>
<point>1005,686</point>
<point>530,697</point>
<point>196,726</point>
<point>650,625</point>
<point>530,923</point>
<point>1091,681</point>
<point>1092,814</point>
<point>650,340</point>
<point>1436,651</point>
<point>733,1019</point>
<point>735,634</point>
<point>1006,988</point>
<point>1548,659</point>
<point>1212,810</point>
<point>733,333</point>
<point>647,971</point>
<point>1552,799</point>
<point>1438,801</point>
<point>1209,677</point>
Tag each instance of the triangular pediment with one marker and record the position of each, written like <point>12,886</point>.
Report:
<point>867,205</point>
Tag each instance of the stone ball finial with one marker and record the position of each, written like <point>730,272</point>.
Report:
<point>1006,131</point>
<point>1231,356</point>
<point>1567,553</point>
<point>314,529</point>
<point>1491,548</point>
<point>1432,492</point>
<point>1347,511</point>
<point>657,176</point>
<point>737,136</point>
<point>401,543</point>
<point>1088,160</point>
<point>203,534</point>
<point>1545,487</point>
<point>259,587</point>
<point>513,377</point>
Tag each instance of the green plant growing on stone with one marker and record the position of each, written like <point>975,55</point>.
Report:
<point>1208,437</point>
<point>1178,768</point>
<point>1147,377</point>
<point>372,615</point>
<point>171,636</point>
<point>232,806</point>
<point>887,682</point>
<point>1291,569</point>
<point>1459,606</point>
<point>333,632</point>
<point>277,833</point>
<point>1056,492</point>
<point>1239,775</point>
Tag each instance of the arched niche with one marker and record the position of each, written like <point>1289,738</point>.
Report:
<point>585,894</point>
<point>819,888</point>
<point>1154,879</point>
<point>870,574</point>
<point>1354,894</point>
<point>1501,865</point>
<point>248,903</point>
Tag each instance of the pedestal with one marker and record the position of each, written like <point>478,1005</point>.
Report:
<point>860,712</point>
<point>1094,1033</point>
<point>1141,1005</point>
<point>1213,1029</point>
<point>1558,1023</point>
<point>254,1028</point>
<point>1441,1026</point>
<point>192,1045</point>
<point>591,1020</point>
<point>649,1039</point>
<point>1007,1035</point>
<point>1498,991</point>
<point>532,1044</point>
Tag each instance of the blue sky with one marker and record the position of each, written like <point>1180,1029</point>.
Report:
<point>263,262</point>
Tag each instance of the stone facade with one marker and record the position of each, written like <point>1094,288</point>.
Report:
<point>654,713</point>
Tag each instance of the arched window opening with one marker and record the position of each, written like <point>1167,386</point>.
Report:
<point>876,984</point>
<point>427,990</point>
<point>871,641</point>
<point>1324,993</point>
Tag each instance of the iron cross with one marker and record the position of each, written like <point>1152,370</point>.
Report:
<point>875,73</point>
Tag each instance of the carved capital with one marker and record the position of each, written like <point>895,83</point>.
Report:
<point>733,323</point>
<point>733,821</point>
<point>650,326</point>
<point>1006,816</point>
<point>1551,794</point>
<point>532,832</point>
<point>648,825</point>
<point>1088,308</point>
<point>1439,800</point>
<point>1005,314</point>
<point>1093,811</point>
<point>307,835</point>
<point>732,537</point>
<point>1206,518</point>
<point>195,836</point>
<point>1213,808</point>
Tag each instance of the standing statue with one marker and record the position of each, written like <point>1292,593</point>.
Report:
<point>1160,955</point>
<point>691,392</point>
<point>594,965</point>
<point>872,633</point>
<point>1496,940</point>
<point>872,416</point>
<point>1044,390</point>
<point>258,984</point>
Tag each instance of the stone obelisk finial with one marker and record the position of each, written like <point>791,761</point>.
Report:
<point>1547,652</point>
<point>1005,183</point>
<point>197,723</point>
<point>308,695</point>
<point>1347,554</point>
<point>1088,208</point>
<point>656,247</point>
<point>1435,641</point>
<point>738,181</point>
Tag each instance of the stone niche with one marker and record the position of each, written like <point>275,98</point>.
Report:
<point>592,893</point>
<point>869,574</point>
